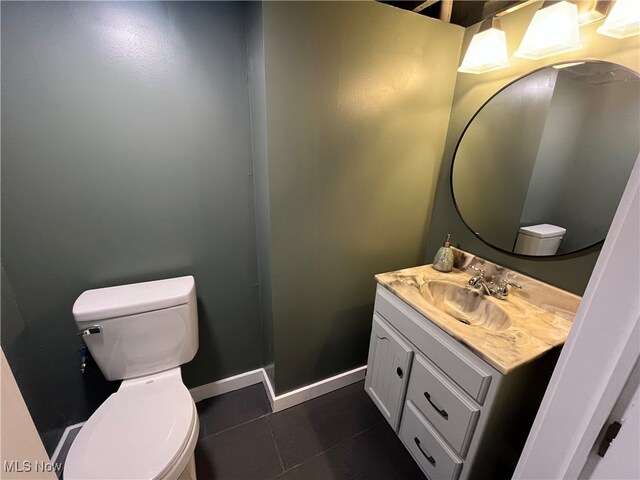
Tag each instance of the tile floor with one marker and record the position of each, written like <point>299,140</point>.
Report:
<point>340,435</point>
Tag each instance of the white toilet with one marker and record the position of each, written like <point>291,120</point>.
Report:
<point>148,429</point>
<point>543,239</point>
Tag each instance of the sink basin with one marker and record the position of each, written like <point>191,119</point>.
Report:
<point>508,332</point>
<point>465,304</point>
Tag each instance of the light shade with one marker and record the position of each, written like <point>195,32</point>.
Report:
<point>589,16</point>
<point>590,11</point>
<point>553,30</point>
<point>487,52</point>
<point>623,20</point>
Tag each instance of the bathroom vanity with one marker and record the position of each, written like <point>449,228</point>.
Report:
<point>458,374</point>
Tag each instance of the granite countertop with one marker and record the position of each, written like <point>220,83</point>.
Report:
<point>540,315</point>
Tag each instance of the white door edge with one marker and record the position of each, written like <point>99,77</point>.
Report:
<point>598,357</point>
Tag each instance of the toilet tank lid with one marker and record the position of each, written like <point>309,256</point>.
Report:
<point>544,230</point>
<point>111,302</point>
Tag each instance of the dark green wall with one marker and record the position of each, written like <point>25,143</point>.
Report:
<point>258,101</point>
<point>570,272</point>
<point>358,100</point>
<point>126,157</point>
<point>135,135</point>
<point>484,175</point>
<point>604,160</point>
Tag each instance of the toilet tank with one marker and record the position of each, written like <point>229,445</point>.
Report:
<point>140,329</point>
<point>543,239</point>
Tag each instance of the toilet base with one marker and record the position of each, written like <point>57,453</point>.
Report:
<point>189,473</point>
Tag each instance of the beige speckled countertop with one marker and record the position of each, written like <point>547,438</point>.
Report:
<point>540,315</point>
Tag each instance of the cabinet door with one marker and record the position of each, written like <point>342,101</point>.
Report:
<point>388,370</point>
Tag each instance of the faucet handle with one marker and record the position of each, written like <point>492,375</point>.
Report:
<point>502,292</point>
<point>510,279</point>
<point>479,270</point>
<point>473,281</point>
<point>505,282</point>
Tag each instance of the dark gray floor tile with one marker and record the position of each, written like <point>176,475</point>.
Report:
<point>50,439</point>
<point>244,452</point>
<point>330,465</point>
<point>319,424</point>
<point>231,409</point>
<point>379,454</point>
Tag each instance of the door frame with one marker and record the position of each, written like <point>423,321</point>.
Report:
<point>598,357</point>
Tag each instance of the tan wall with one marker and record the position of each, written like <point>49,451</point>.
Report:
<point>19,440</point>
<point>472,91</point>
<point>358,101</point>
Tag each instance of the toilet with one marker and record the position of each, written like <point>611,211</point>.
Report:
<point>543,239</point>
<point>140,334</point>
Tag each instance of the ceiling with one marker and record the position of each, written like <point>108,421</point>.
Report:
<point>460,12</point>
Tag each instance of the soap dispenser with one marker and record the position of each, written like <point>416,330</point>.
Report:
<point>443,261</point>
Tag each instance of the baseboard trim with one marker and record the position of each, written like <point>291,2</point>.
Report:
<point>300,395</point>
<point>246,379</point>
<point>227,385</point>
<point>271,394</point>
<point>65,434</point>
<point>278,402</point>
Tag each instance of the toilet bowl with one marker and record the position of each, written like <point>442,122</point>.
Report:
<point>148,429</point>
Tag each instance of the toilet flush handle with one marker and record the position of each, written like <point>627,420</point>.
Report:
<point>92,330</point>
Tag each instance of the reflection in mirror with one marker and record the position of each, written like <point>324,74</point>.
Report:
<point>541,167</point>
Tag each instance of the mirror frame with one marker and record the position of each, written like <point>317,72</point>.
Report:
<point>594,246</point>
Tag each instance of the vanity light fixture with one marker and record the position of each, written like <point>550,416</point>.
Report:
<point>553,30</point>
<point>590,11</point>
<point>623,21</point>
<point>487,51</point>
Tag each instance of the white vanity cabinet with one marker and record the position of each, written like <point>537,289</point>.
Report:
<point>389,363</point>
<point>457,415</point>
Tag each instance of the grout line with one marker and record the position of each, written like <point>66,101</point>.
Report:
<point>312,457</point>
<point>267,415</point>
<point>242,423</point>
<point>374,425</point>
<point>275,444</point>
<point>232,427</point>
<point>337,445</point>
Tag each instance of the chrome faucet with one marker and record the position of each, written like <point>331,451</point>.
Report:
<point>500,291</point>
<point>479,282</point>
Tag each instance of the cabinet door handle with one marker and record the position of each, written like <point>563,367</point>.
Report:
<point>399,372</point>
<point>431,460</point>
<point>442,411</point>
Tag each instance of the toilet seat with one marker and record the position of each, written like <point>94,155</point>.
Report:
<point>139,432</point>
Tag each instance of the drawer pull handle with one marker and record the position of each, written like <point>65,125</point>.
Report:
<point>399,372</point>
<point>442,411</point>
<point>431,460</point>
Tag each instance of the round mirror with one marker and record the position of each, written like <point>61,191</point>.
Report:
<point>541,167</point>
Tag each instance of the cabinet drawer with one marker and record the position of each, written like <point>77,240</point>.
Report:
<point>437,460</point>
<point>443,404</point>
<point>462,366</point>
<point>388,370</point>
